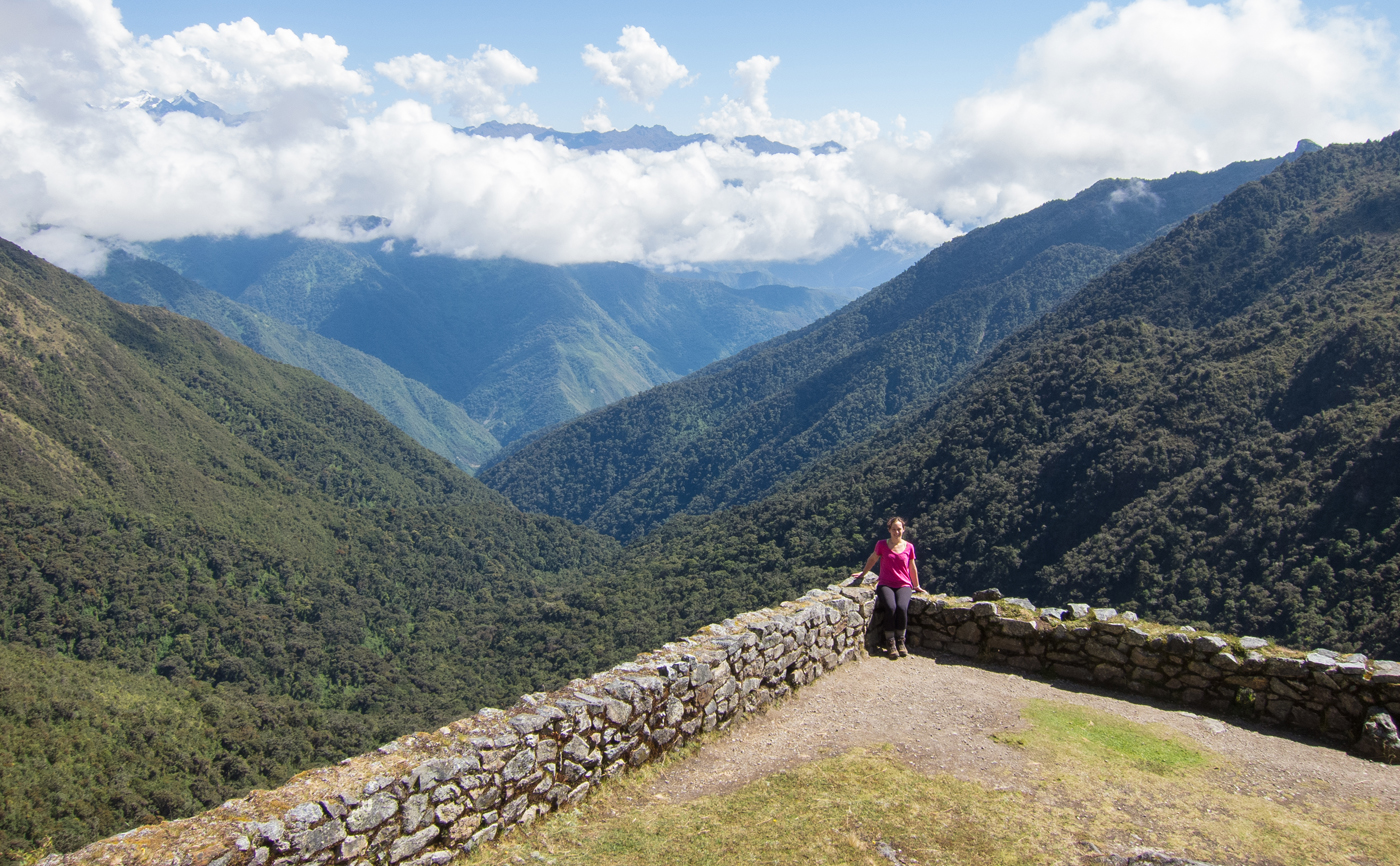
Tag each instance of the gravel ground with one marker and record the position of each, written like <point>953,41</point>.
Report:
<point>940,718</point>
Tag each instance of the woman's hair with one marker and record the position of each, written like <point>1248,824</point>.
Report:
<point>889,523</point>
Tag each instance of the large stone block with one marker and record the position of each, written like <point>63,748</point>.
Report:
<point>1105,653</point>
<point>371,813</point>
<point>1017,628</point>
<point>1285,668</point>
<point>968,632</point>
<point>1005,644</point>
<point>1073,672</point>
<point>410,845</point>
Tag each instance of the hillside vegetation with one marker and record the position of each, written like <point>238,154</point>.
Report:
<point>436,424</point>
<point>243,538</point>
<point>91,749</point>
<point>1208,433</point>
<point>727,435</point>
<point>281,577</point>
<point>519,346</point>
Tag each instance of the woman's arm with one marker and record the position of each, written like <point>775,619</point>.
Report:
<point>914,573</point>
<point>869,564</point>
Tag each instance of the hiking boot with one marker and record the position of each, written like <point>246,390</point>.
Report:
<point>901,648</point>
<point>891,648</point>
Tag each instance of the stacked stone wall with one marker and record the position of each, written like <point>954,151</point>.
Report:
<point>426,798</point>
<point>1322,692</point>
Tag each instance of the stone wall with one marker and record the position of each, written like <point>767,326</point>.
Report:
<point>1321,692</point>
<point>426,797</point>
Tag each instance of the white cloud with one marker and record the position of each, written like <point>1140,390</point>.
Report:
<point>597,120</point>
<point>71,249</point>
<point>641,71</point>
<point>478,89</point>
<point>1148,89</point>
<point>1154,87</point>
<point>74,52</point>
<point>121,175</point>
<point>749,114</point>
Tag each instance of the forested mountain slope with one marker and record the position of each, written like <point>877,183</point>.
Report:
<point>1208,433</point>
<point>725,436</point>
<point>519,346</point>
<point>436,424</point>
<point>242,535</point>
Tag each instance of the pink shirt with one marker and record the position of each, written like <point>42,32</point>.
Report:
<point>895,567</point>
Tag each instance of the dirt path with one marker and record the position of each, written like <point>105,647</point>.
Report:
<point>880,701</point>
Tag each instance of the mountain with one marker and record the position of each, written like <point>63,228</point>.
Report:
<point>186,102</point>
<point>519,346</point>
<point>727,435</point>
<point>1207,433</point>
<point>264,555</point>
<point>436,424</point>
<point>654,138</point>
<point>217,570</point>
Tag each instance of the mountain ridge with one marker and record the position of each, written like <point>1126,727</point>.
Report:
<point>654,138</point>
<point>437,424</point>
<point>728,434</point>
<point>1206,434</point>
<point>519,346</point>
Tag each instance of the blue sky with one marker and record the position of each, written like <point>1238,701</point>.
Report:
<point>880,58</point>
<point>953,115</point>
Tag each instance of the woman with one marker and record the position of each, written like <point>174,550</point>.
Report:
<point>899,577</point>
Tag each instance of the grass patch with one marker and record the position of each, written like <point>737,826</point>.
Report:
<point>836,810</point>
<point>1104,738</point>
<point>1093,777</point>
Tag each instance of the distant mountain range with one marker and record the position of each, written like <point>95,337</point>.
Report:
<point>730,433</point>
<point>849,272</point>
<point>518,346</point>
<point>655,138</point>
<point>186,102</point>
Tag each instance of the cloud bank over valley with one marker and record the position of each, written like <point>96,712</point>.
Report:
<point>1142,90</point>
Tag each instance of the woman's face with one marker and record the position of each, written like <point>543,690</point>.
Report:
<point>897,529</point>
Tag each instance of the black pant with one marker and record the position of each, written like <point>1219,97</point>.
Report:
<point>895,601</point>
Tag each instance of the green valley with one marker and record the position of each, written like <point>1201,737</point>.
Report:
<point>728,434</point>
<point>217,570</point>
<point>519,346</point>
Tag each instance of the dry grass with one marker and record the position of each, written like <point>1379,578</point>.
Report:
<point>1096,779</point>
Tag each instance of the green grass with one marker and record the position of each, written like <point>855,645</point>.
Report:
<point>1093,778</point>
<point>1104,738</point>
<point>836,810</point>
